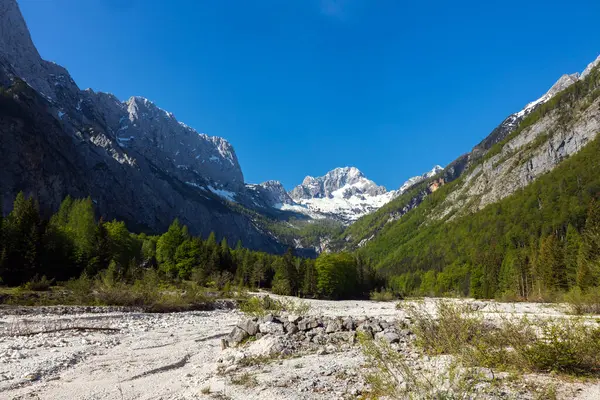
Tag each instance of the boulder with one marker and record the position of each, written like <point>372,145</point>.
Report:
<point>307,324</point>
<point>266,318</point>
<point>249,326</point>
<point>334,325</point>
<point>290,328</point>
<point>271,327</point>
<point>365,329</point>
<point>237,336</point>
<point>319,338</point>
<point>348,324</point>
<point>267,346</point>
<point>294,318</point>
<point>389,336</point>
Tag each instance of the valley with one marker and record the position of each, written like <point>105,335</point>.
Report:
<point>137,261</point>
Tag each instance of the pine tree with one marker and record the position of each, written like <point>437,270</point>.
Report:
<point>571,251</point>
<point>309,282</point>
<point>81,228</point>
<point>22,238</point>
<point>259,271</point>
<point>588,260</point>
<point>102,253</point>
<point>550,269</point>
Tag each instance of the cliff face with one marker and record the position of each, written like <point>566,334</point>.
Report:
<point>533,152</point>
<point>136,161</point>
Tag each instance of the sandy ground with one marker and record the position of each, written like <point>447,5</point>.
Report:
<point>179,356</point>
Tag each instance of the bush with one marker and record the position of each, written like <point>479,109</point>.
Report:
<point>81,289</point>
<point>39,284</point>
<point>260,306</point>
<point>391,376</point>
<point>384,295</point>
<point>583,302</point>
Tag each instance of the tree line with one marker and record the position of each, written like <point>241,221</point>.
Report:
<point>72,243</point>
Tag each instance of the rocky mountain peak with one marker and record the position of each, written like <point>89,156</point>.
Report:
<point>17,50</point>
<point>562,83</point>
<point>419,178</point>
<point>589,68</point>
<point>347,178</point>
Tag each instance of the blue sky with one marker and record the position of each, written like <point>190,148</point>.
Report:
<point>300,87</point>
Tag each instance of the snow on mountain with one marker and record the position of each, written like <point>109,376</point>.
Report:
<point>344,194</point>
<point>589,68</point>
<point>416,179</point>
<point>563,82</point>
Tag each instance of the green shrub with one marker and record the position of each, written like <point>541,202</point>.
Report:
<point>583,302</point>
<point>384,295</point>
<point>259,306</point>
<point>39,284</point>
<point>563,345</point>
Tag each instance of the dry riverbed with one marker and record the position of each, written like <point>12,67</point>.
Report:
<point>106,353</point>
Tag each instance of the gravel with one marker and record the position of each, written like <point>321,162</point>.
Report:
<point>181,355</point>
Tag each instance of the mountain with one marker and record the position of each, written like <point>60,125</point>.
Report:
<point>343,194</point>
<point>135,160</point>
<point>501,174</point>
<point>140,164</point>
<point>417,179</point>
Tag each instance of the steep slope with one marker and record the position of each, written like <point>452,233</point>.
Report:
<point>532,184</point>
<point>521,148</point>
<point>136,161</point>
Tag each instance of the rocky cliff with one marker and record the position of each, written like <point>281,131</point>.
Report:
<point>135,160</point>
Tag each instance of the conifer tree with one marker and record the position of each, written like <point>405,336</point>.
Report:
<point>571,251</point>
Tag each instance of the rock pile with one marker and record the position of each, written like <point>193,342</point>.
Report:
<point>293,330</point>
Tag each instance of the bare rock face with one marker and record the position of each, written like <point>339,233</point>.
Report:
<point>269,194</point>
<point>348,177</point>
<point>16,47</point>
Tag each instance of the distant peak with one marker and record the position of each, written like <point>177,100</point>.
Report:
<point>562,83</point>
<point>271,183</point>
<point>589,68</point>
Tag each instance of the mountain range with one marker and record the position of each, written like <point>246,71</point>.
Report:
<point>140,164</point>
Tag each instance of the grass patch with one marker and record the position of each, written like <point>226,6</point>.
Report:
<point>391,376</point>
<point>384,295</point>
<point>567,345</point>
<point>246,379</point>
<point>583,302</point>
<point>258,306</point>
<point>148,292</point>
<point>38,284</point>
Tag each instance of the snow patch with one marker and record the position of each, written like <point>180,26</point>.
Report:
<point>223,193</point>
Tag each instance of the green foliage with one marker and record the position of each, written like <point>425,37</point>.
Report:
<point>583,301</point>
<point>167,245</point>
<point>21,232</point>
<point>38,284</point>
<point>564,345</point>
<point>258,306</point>
<point>337,275</point>
<point>391,375</point>
<point>523,244</point>
<point>383,295</point>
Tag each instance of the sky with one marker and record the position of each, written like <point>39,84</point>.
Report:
<point>300,87</point>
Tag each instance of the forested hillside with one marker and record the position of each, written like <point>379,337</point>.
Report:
<point>544,237</point>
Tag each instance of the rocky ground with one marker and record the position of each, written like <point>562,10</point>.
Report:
<point>107,353</point>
